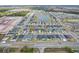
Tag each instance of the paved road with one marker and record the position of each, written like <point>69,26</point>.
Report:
<point>41,45</point>
<point>28,19</point>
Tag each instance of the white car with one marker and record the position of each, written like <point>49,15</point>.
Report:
<point>13,40</point>
<point>3,42</point>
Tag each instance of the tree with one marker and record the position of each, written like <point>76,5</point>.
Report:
<point>68,49</point>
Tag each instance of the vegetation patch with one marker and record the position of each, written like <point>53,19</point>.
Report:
<point>22,13</point>
<point>1,36</point>
<point>59,50</point>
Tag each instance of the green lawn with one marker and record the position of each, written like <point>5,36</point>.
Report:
<point>1,49</point>
<point>22,13</point>
<point>1,36</point>
<point>27,50</point>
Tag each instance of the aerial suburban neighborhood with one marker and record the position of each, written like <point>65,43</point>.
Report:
<point>39,29</point>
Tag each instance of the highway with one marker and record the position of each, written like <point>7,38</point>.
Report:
<point>41,45</point>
